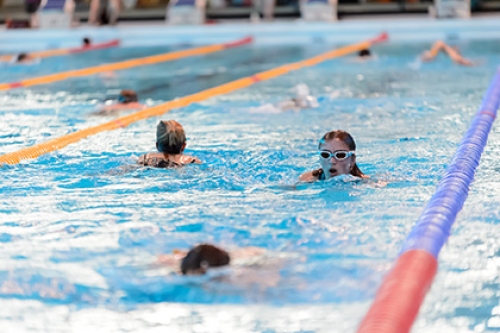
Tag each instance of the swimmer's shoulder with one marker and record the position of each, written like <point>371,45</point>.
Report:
<point>161,160</point>
<point>310,176</point>
<point>152,159</point>
<point>190,160</point>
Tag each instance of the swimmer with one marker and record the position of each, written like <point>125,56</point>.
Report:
<point>452,52</point>
<point>170,142</point>
<point>23,58</point>
<point>365,53</point>
<point>127,100</point>
<point>203,256</point>
<point>199,259</point>
<point>250,267</point>
<point>336,156</point>
<point>86,42</point>
<point>302,100</point>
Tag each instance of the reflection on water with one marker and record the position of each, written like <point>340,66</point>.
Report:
<point>82,229</point>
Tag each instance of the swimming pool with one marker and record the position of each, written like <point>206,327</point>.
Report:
<point>81,233</point>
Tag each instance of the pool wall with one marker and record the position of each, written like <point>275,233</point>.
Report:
<point>264,33</point>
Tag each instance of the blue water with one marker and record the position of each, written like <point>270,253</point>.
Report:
<point>81,230</point>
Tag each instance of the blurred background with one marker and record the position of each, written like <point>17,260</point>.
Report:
<point>220,10</point>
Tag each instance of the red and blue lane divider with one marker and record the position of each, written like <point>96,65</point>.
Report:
<point>403,290</point>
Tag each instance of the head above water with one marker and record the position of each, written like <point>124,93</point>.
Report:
<point>364,53</point>
<point>170,137</point>
<point>339,141</point>
<point>86,41</point>
<point>203,256</point>
<point>22,57</point>
<point>127,96</point>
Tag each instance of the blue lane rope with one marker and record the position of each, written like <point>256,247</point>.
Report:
<point>433,227</point>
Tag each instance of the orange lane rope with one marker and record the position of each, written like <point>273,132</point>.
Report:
<point>124,64</point>
<point>58,143</point>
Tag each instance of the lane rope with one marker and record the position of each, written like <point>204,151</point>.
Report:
<point>403,290</point>
<point>150,60</point>
<point>61,142</point>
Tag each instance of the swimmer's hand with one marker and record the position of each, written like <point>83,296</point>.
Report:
<point>427,56</point>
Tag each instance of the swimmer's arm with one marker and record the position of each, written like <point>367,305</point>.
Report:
<point>457,57</point>
<point>433,52</point>
<point>142,160</point>
<point>308,177</point>
<point>462,61</point>
<point>196,160</point>
<point>113,108</point>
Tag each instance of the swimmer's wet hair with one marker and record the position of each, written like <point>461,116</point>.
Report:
<point>202,257</point>
<point>21,56</point>
<point>349,141</point>
<point>170,137</point>
<point>127,96</point>
<point>364,53</point>
<point>86,41</point>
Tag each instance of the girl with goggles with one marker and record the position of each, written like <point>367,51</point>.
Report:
<point>336,157</point>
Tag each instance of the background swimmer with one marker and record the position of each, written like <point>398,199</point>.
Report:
<point>336,157</point>
<point>249,266</point>
<point>86,42</point>
<point>365,53</point>
<point>452,52</point>
<point>302,100</point>
<point>127,100</point>
<point>24,58</point>
<point>170,142</point>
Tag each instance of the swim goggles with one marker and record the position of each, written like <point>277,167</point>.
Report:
<point>339,155</point>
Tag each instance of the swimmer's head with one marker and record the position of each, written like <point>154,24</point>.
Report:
<point>364,53</point>
<point>203,256</point>
<point>302,90</point>
<point>86,41</point>
<point>21,57</point>
<point>170,137</point>
<point>127,96</point>
<point>337,155</point>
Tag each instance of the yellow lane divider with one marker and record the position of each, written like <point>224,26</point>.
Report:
<point>61,142</point>
<point>125,64</point>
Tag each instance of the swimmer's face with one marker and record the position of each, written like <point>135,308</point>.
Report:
<point>331,166</point>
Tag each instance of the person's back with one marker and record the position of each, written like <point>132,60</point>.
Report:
<point>170,143</point>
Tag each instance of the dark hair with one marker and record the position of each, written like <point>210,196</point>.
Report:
<point>349,141</point>
<point>86,41</point>
<point>21,56</point>
<point>127,96</point>
<point>202,257</point>
<point>364,53</point>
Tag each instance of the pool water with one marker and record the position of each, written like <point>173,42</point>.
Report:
<point>81,229</point>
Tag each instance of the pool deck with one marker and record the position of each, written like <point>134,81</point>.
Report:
<point>414,27</point>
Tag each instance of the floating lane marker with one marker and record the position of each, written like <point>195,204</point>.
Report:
<point>403,290</point>
<point>125,64</point>
<point>60,52</point>
<point>58,143</point>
